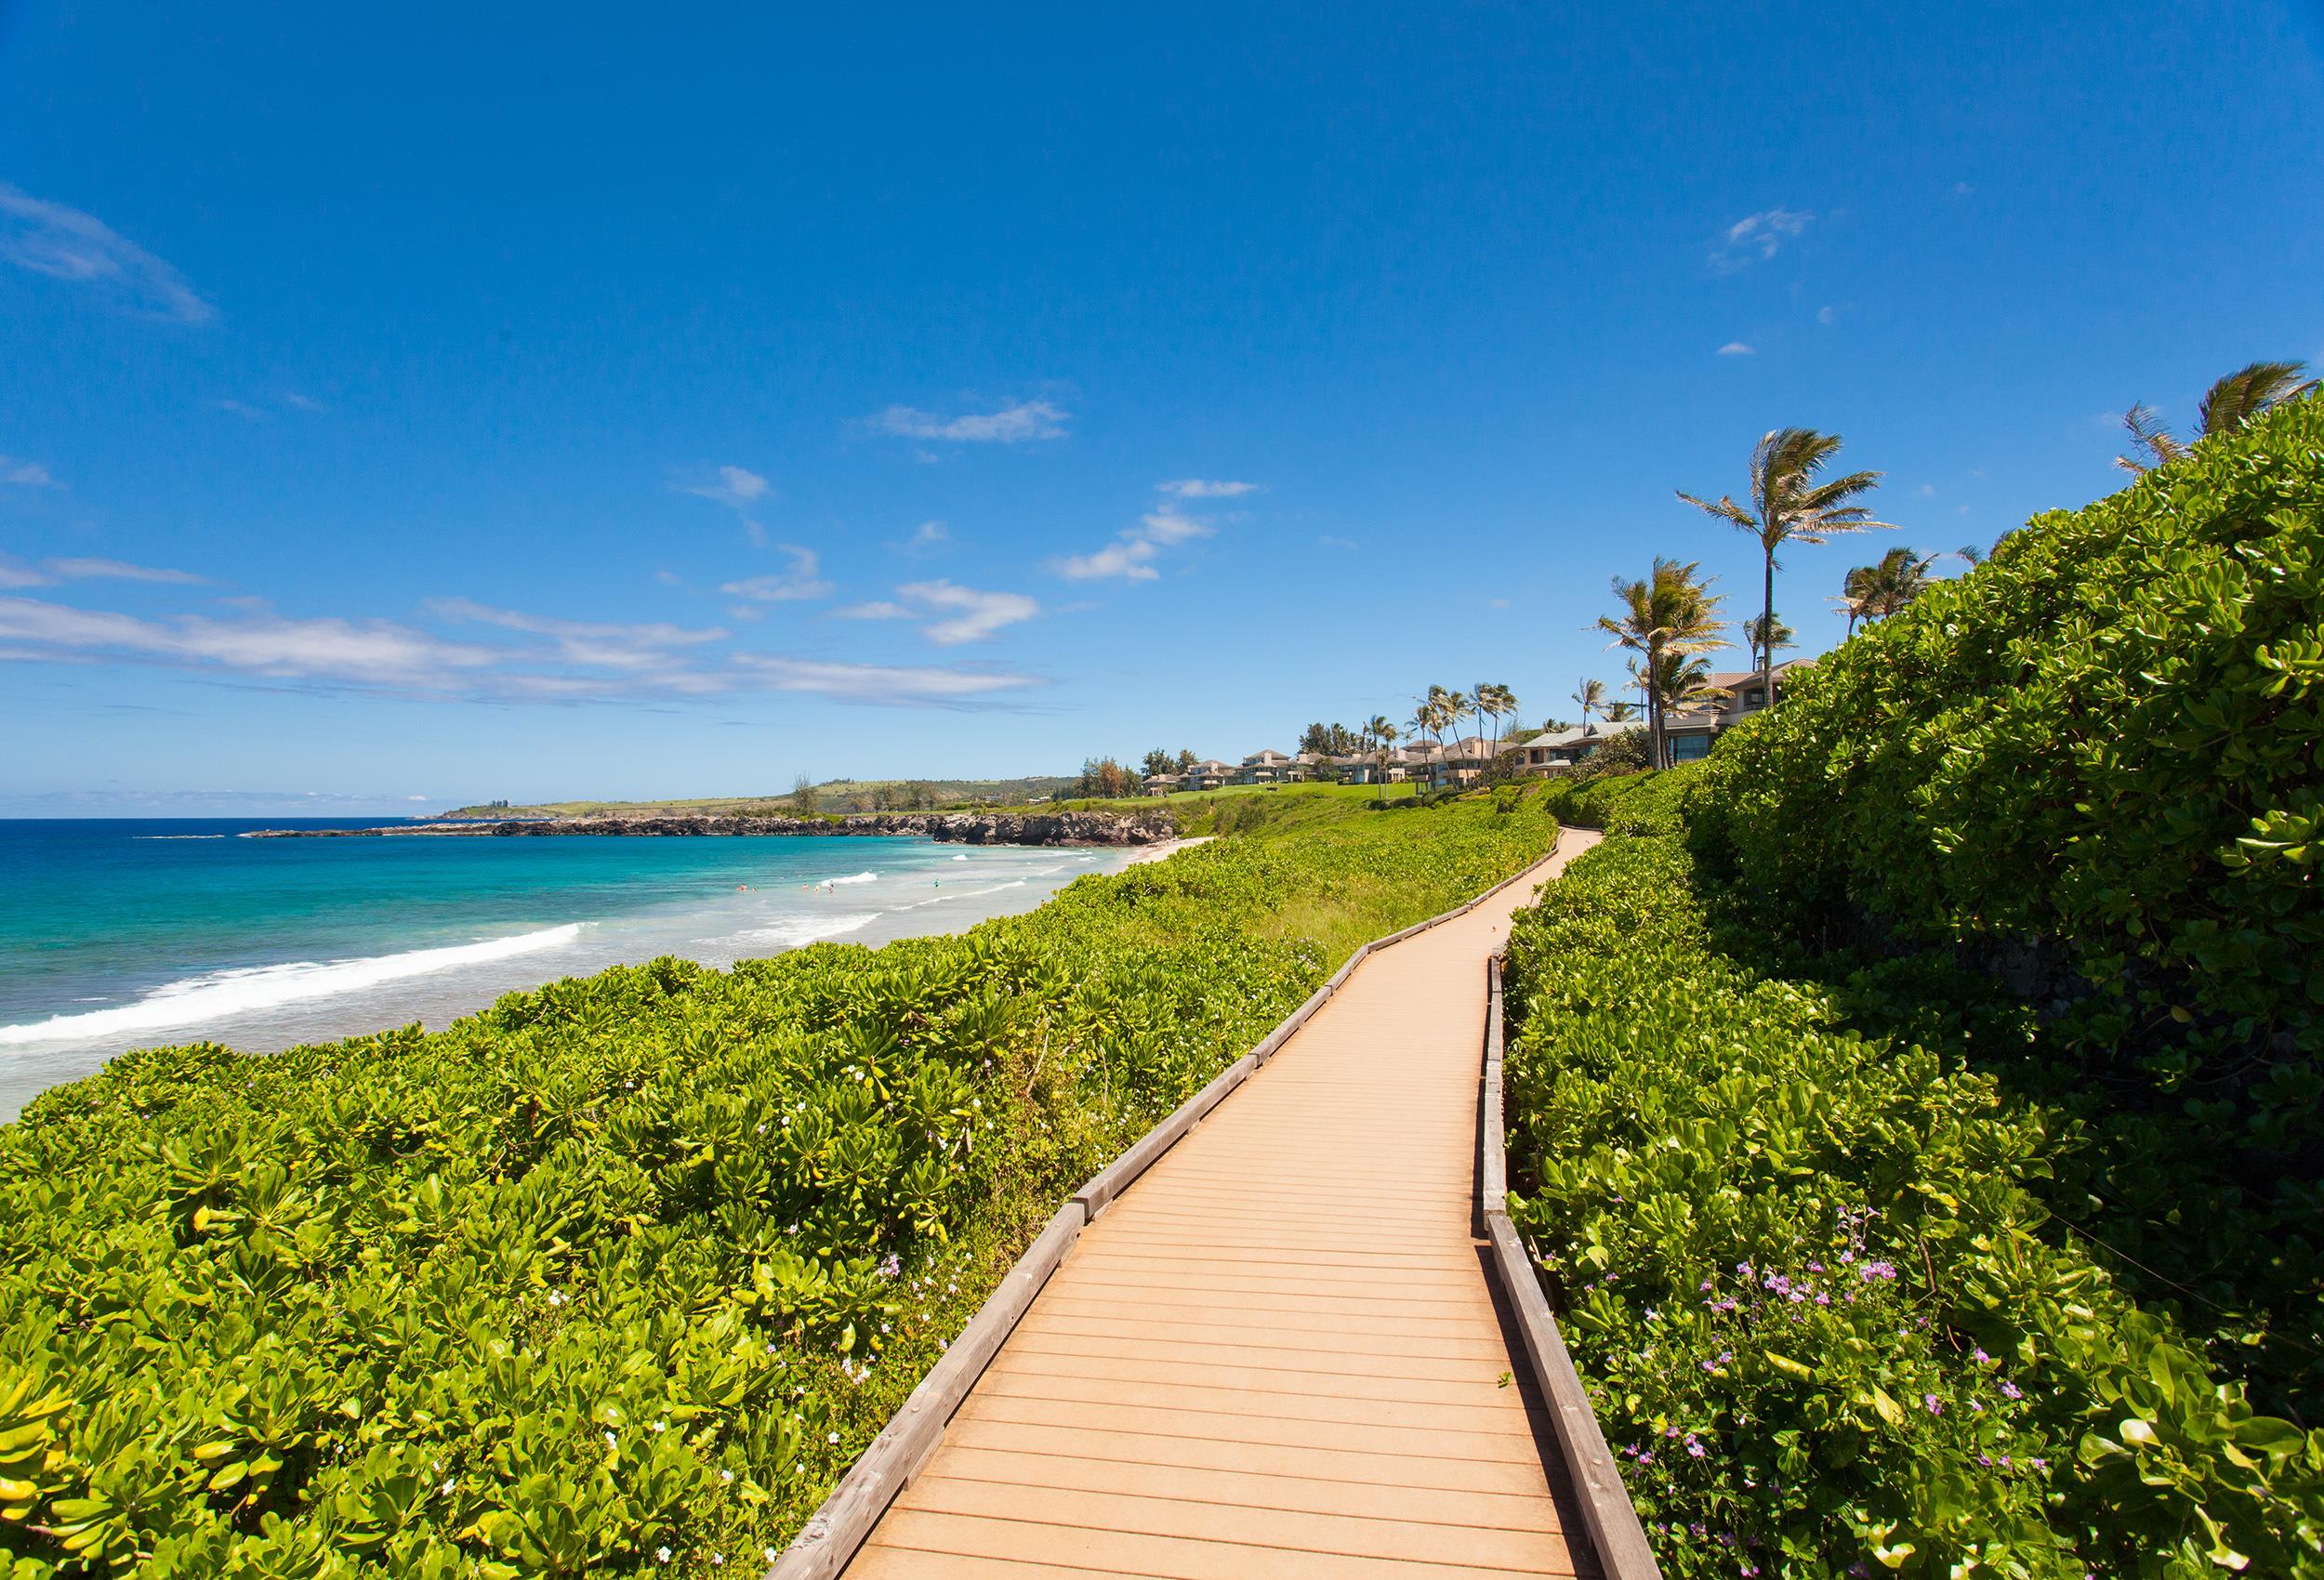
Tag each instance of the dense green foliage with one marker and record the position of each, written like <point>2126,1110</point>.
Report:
<point>1991,960</point>
<point>1623,803</point>
<point>2100,750</point>
<point>631,1263</point>
<point>1810,1276</point>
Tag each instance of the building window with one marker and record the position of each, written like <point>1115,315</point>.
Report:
<point>1689,748</point>
<point>1755,697</point>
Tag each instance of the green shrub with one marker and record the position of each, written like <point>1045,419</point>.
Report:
<point>1809,1277</point>
<point>1624,803</point>
<point>635,1261</point>
<point>2095,757</point>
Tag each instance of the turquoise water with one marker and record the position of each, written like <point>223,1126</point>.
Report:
<point>116,934</point>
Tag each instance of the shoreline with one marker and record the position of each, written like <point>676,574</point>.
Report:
<point>1162,850</point>
<point>376,1000</point>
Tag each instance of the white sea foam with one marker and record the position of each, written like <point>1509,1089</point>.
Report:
<point>859,877</point>
<point>806,930</point>
<point>959,858</point>
<point>176,836</point>
<point>222,993</point>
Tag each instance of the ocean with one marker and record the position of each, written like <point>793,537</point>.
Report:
<point>120,933</point>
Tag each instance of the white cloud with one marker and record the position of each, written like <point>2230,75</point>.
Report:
<point>1757,237</point>
<point>670,578</point>
<point>1204,488</point>
<point>298,403</point>
<point>1167,526</point>
<point>1127,558</point>
<point>1827,314</point>
<point>1736,349</point>
<point>1130,557</point>
<point>15,574</point>
<point>879,608</point>
<point>973,615</point>
<point>929,685</point>
<point>26,474</point>
<point>64,243</point>
<point>1012,425</point>
<point>550,659</point>
<point>120,571</point>
<point>375,653</point>
<point>602,644</point>
<point>1327,541</point>
<point>927,534</point>
<point>1928,491</point>
<point>736,486</point>
<point>803,580</point>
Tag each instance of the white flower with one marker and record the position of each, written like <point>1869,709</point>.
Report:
<point>612,1441</point>
<point>659,1427</point>
<point>834,1438</point>
<point>661,1555</point>
<point>555,1298</point>
<point>726,1475</point>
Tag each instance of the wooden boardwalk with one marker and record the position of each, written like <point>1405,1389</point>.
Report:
<point>1279,1354</point>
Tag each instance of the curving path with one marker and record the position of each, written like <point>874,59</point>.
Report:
<point>1279,1354</point>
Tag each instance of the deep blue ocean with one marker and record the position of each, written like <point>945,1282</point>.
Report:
<point>121,933</point>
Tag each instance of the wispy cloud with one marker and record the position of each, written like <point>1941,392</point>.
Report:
<point>1827,314</point>
<point>1327,541</point>
<point>1757,237</point>
<point>1205,488</point>
<point>611,645</point>
<point>738,488</point>
<point>26,474</point>
<point>926,538</point>
<point>955,614</point>
<point>929,685</point>
<point>120,571</point>
<point>803,580</point>
<point>1736,349</point>
<point>1017,424</point>
<point>532,658</point>
<point>376,651</point>
<point>967,615</point>
<point>15,574</point>
<point>298,403</point>
<point>1131,555</point>
<point>64,243</point>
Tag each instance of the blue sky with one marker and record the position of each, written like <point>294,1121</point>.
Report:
<point>618,402</point>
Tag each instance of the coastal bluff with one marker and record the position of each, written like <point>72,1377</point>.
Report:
<point>955,828</point>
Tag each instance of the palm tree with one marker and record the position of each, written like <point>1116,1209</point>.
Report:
<point>2231,403</point>
<point>1672,610</point>
<point>1789,505</point>
<point>1682,678</point>
<point>1619,711</point>
<point>1458,705</point>
<point>1495,702</point>
<point>1591,696</point>
<point>1755,637</point>
<point>1378,729</point>
<point>1874,592</point>
<point>1383,733</point>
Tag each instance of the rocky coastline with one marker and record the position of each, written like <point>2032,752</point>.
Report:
<point>957,828</point>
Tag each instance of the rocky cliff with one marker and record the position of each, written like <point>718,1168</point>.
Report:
<point>961,828</point>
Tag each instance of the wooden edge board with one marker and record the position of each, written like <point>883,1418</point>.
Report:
<point>1493,1137</point>
<point>829,1540</point>
<point>1109,1182</point>
<point>1615,1530</point>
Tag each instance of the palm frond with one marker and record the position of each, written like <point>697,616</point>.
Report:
<point>2248,392</point>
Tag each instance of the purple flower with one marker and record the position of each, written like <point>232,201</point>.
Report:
<point>891,1265</point>
<point>1935,1408</point>
<point>1694,1451</point>
<point>2010,1391</point>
